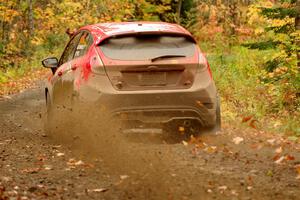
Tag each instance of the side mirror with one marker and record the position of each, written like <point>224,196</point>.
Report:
<point>51,62</point>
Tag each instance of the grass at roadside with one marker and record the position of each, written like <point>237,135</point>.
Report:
<point>15,66</point>
<point>22,81</point>
<point>238,73</point>
<point>25,70</point>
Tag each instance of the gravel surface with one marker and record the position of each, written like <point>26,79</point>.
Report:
<point>237,163</point>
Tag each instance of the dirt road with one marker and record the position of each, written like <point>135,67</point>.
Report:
<point>235,164</point>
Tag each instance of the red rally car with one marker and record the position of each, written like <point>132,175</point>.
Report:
<point>151,72</point>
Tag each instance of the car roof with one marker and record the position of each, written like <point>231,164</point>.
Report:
<point>106,30</point>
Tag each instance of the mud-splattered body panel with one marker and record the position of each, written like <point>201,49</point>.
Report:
<point>142,72</point>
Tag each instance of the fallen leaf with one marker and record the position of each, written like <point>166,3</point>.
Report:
<point>252,123</point>
<point>245,119</point>
<point>79,162</point>
<point>48,167</point>
<point>181,129</point>
<point>279,161</point>
<point>199,103</point>
<point>237,140</point>
<point>99,190</point>
<point>224,187</point>
<point>289,157</point>
<point>276,157</point>
<point>123,177</point>
<point>297,167</point>
<point>278,150</point>
<point>211,149</point>
<point>184,143</point>
<point>31,170</point>
<point>250,180</point>
<point>60,154</point>
<point>73,162</point>
<point>271,141</point>
<point>233,192</point>
<point>226,150</point>
<point>193,140</point>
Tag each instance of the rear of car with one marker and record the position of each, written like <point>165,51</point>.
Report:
<point>144,74</point>
<point>156,79</point>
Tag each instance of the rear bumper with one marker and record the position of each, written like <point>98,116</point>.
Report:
<point>164,116</point>
<point>197,103</point>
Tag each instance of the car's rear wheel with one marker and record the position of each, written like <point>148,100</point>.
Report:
<point>217,126</point>
<point>49,113</point>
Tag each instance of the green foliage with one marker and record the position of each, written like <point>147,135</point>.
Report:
<point>238,74</point>
<point>54,40</point>
<point>278,12</point>
<point>264,45</point>
<point>281,35</point>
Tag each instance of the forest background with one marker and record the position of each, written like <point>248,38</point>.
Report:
<point>253,47</point>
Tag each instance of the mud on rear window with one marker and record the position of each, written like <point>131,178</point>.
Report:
<point>146,47</point>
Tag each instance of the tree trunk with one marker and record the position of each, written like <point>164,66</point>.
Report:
<point>233,14</point>
<point>297,25</point>
<point>30,25</point>
<point>4,24</point>
<point>179,10</point>
<point>30,19</point>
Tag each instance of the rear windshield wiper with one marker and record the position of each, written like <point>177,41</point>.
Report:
<point>165,56</point>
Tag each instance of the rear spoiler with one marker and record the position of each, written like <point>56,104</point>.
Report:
<point>189,37</point>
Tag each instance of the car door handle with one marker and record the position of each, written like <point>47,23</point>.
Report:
<point>60,73</point>
<point>74,67</point>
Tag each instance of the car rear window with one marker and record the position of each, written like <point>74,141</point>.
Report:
<point>145,47</point>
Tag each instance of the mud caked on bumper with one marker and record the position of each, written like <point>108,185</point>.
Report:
<point>197,103</point>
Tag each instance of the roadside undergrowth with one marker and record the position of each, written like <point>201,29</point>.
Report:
<point>20,82</point>
<point>246,99</point>
<point>27,70</point>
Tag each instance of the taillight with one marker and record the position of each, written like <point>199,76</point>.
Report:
<point>203,64</point>
<point>97,66</point>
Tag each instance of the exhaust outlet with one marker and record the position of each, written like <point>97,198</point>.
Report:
<point>187,123</point>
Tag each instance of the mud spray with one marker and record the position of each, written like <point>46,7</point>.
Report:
<point>92,134</point>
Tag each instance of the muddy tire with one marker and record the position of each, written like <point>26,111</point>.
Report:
<point>49,113</point>
<point>217,126</point>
